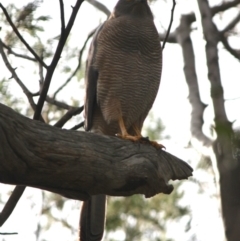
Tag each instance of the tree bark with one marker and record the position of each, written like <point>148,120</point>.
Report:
<point>228,166</point>
<point>184,39</point>
<point>78,164</point>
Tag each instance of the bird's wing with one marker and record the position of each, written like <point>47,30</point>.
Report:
<point>91,81</point>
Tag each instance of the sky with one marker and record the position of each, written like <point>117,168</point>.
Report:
<point>171,105</point>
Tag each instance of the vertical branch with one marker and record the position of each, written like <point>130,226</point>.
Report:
<point>229,168</point>
<point>212,38</point>
<point>184,39</point>
<point>170,24</point>
<point>55,60</point>
<point>62,16</point>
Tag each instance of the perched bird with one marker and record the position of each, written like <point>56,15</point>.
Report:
<point>122,79</point>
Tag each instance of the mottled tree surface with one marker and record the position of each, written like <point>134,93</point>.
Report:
<point>78,164</point>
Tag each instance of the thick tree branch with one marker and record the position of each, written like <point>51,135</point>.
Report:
<point>79,164</point>
<point>20,36</point>
<point>211,35</point>
<point>184,39</point>
<point>228,166</point>
<point>55,60</point>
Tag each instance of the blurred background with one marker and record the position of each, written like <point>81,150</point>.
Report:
<point>195,115</point>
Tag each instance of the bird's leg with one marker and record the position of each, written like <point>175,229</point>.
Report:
<point>138,136</point>
<point>124,134</point>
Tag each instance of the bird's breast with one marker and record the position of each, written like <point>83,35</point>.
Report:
<point>129,61</point>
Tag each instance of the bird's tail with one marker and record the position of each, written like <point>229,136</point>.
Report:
<point>92,219</point>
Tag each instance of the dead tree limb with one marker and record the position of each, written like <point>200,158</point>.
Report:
<point>78,164</point>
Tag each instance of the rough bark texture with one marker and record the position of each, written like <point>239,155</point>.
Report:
<point>78,164</point>
<point>228,165</point>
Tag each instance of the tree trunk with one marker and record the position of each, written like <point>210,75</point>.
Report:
<point>228,166</point>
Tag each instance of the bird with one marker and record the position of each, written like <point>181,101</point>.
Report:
<point>122,78</point>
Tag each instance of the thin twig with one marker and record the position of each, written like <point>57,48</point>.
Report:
<point>58,103</point>
<point>41,80</point>
<point>72,112</point>
<point>8,233</point>
<point>10,51</point>
<point>76,127</point>
<point>15,76</point>
<point>79,63</point>
<point>170,24</point>
<point>11,204</point>
<point>232,24</point>
<point>20,36</point>
<point>55,60</point>
<point>232,51</point>
<point>62,16</point>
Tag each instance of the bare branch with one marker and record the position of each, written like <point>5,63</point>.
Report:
<point>184,39</point>
<point>55,60</point>
<point>211,35</point>
<point>15,76</point>
<point>224,6</point>
<point>100,7</point>
<point>228,166</point>
<point>11,203</point>
<point>17,192</point>
<point>10,51</point>
<point>232,51</point>
<point>13,233</point>
<point>20,36</point>
<point>58,103</point>
<point>72,112</point>
<point>170,24</point>
<point>79,63</point>
<point>62,17</point>
<point>232,24</point>
<point>76,127</point>
<point>41,80</point>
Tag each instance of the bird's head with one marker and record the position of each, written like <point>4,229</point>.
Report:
<point>135,8</point>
